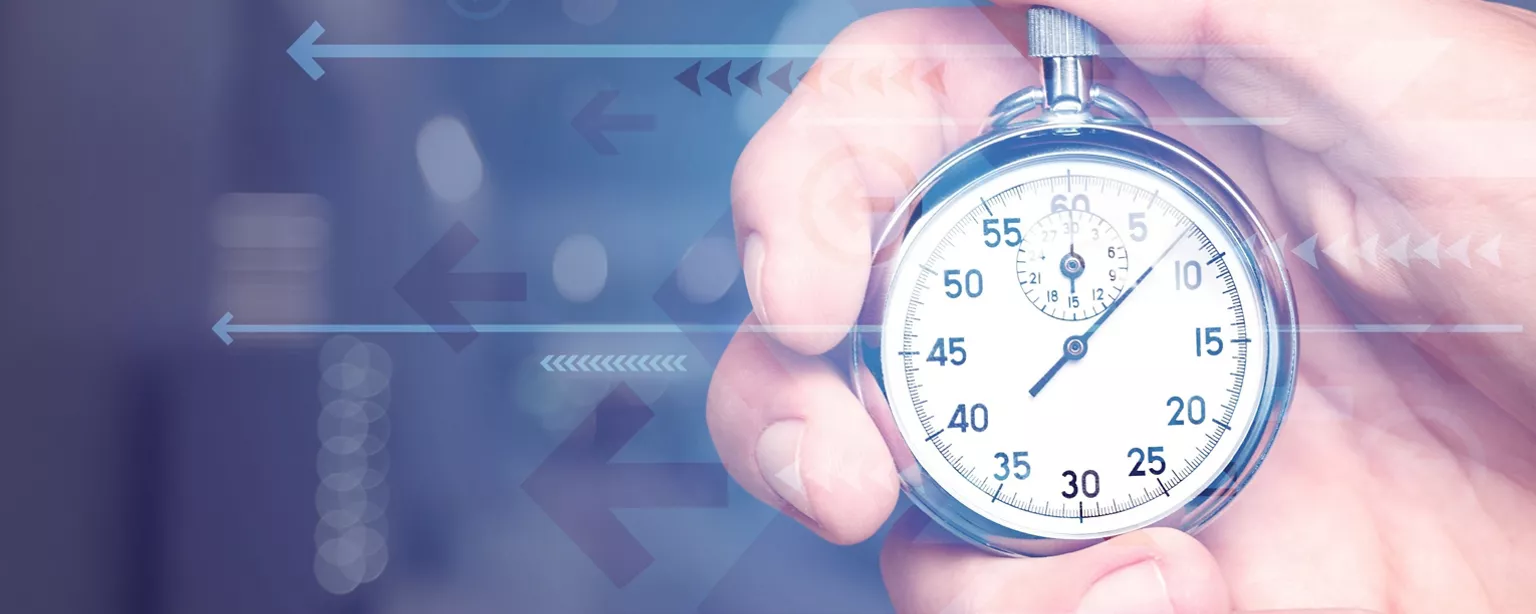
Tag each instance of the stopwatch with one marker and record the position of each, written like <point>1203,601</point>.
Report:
<point>1084,327</point>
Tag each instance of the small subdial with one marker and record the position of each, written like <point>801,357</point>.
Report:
<point>1072,265</point>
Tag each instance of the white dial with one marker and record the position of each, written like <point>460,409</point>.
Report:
<point>1062,419</point>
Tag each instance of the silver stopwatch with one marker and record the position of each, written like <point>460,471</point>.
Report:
<point>1085,329</point>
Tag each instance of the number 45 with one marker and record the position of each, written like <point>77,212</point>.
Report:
<point>948,351</point>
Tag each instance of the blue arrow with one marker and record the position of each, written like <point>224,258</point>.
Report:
<point>305,51</point>
<point>781,78</point>
<point>749,78</point>
<point>225,329</point>
<point>690,78</point>
<point>721,78</point>
<point>593,121</point>
<point>432,286</point>
<point>545,363</point>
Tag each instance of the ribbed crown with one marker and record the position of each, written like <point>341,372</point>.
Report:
<point>1054,33</point>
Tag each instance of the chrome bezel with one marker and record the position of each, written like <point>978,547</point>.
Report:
<point>1117,142</point>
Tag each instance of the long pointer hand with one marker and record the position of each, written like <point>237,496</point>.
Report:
<point>1077,346</point>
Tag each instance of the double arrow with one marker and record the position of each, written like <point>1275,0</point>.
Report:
<point>611,363</point>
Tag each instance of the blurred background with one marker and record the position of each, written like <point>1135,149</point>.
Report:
<point>164,163</point>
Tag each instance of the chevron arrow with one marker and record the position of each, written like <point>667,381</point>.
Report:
<point>1430,251</point>
<point>690,78</point>
<point>1490,251</point>
<point>1368,250</point>
<point>1307,251</point>
<point>1458,251</point>
<point>935,79</point>
<point>721,78</point>
<point>1340,252</point>
<point>780,78</point>
<point>872,80</point>
<point>1398,251</point>
<point>749,78</point>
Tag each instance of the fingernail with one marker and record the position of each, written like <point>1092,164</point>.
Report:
<point>778,458</point>
<point>1137,589</point>
<point>752,266</point>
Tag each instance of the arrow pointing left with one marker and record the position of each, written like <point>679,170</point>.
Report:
<point>593,121</point>
<point>432,287</point>
<point>579,487</point>
<point>306,50</point>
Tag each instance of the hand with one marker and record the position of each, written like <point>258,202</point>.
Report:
<point>1405,477</point>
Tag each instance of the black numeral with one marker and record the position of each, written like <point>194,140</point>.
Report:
<point>1150,456</point>
<point>1090,488</point>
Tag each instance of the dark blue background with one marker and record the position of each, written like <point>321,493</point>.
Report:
<point>148,468</point>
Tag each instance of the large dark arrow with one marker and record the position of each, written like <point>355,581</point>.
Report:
<point>431,287</point>
<point>579,488</point>
<point>593,121</point>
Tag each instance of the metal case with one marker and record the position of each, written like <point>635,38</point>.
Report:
<point>1121,142</point>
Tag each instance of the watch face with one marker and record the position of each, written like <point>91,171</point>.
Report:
<point>1077,345</point>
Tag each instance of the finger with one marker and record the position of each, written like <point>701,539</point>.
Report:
<point>791,432</point>
<point>1333,71</point>
<point>1151,571</point>
<point>821,176</point>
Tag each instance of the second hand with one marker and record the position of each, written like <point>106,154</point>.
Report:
<point>1077,346</point>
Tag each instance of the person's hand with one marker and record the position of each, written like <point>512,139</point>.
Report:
<point>1405,477</point>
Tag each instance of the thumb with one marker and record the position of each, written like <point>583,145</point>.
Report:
<point>1151,571</point>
